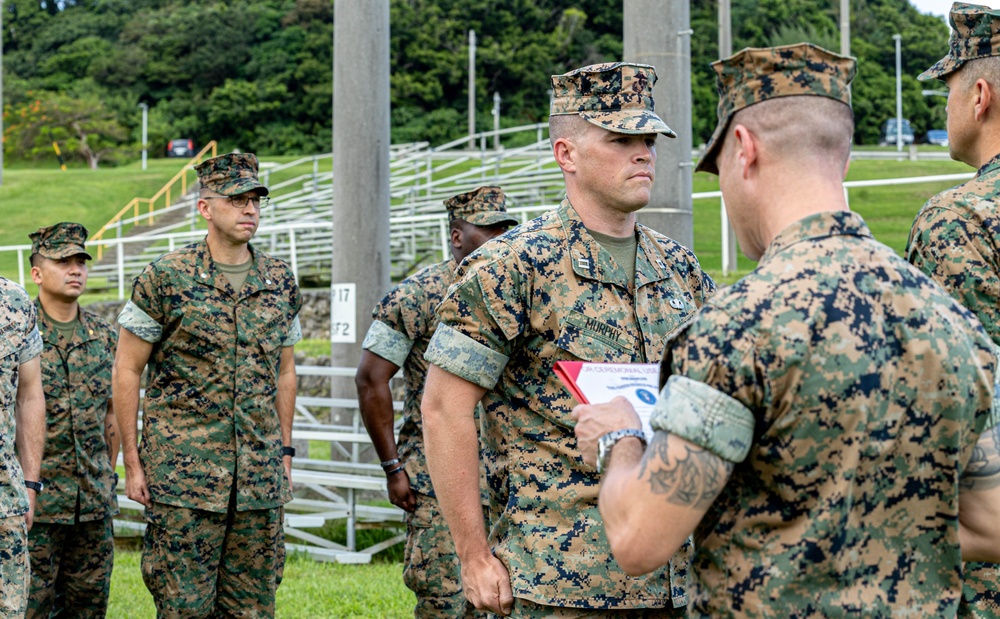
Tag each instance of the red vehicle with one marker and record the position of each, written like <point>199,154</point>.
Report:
<point>181,148</point>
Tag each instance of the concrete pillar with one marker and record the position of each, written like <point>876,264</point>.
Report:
<point>845,27</point>
<point>360,269</point>
<point>658,33</point>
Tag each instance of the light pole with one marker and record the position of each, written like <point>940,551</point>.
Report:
<point>472,88</point>
<point>496,121</point>
<point>145,113</point>
<point>899,95</point>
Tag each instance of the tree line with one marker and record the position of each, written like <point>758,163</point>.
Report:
<point>257,74</point>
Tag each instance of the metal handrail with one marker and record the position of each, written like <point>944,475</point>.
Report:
<point>164,191</point>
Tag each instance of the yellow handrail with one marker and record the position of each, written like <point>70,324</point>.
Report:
<point>164,192</point>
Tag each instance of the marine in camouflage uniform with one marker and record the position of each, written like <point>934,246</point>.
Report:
<point>549,291</point>
<point>403,324</point>
<point>216,321</point>
<point>954,238</point>
<point>72,540</point>
<point>818,414</point>
<point>20,382</point>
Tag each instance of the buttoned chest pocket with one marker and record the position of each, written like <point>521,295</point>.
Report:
<point>589,339</point>
<point>202,332</point>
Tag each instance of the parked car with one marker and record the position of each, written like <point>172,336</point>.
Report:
<point>183,147</point>
<point>888,136</point>
<point>937,137</point>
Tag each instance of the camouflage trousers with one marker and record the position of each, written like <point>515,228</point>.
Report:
<point>430,564</point>
<point>526,609</point>
<point>15,567</point>
<point>197,563</point>
<point>71,569</point>
<point>980,591</point>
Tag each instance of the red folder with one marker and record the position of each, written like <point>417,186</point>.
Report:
<point>568,371</point>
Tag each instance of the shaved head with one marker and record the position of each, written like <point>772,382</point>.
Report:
<point>566,126</point>
<point>803,130</point>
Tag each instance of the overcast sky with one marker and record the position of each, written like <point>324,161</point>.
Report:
<point>941,7</point>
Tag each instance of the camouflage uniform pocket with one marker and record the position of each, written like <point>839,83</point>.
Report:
<point>431,568</point>
<point>593,340</point>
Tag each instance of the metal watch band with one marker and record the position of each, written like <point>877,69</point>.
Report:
<point>607,442</point>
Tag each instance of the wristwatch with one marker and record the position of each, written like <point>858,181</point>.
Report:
<point>287,450</point>
<point>37,486</point>
<point>607,442</point>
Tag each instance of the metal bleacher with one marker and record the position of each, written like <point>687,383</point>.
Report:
<point>298,225</point>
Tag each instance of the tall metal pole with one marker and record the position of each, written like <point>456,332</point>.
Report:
<point>668,48</point>
<point>899,95</point>
<point>730,251</point>
<point>145,115</point>
<point>472,88</point>
<point>496,121</point>
<point>1,92</point>
<point>360,243</point>
<point>845,27</point>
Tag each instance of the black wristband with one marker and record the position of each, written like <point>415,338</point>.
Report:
<point>37,486</point>
<point>287,451</point>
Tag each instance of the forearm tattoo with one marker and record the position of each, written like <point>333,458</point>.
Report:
<point>983,470</point>
<point>687,475</point>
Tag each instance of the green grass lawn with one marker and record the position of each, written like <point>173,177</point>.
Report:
<point>309,590</point>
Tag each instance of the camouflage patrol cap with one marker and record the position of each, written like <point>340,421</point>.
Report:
<point>231,174</point>
<point>754,75</point>
<point>485,206</point>
<point>62,240</point>
<point>617,96</point>
<point>975,33</point>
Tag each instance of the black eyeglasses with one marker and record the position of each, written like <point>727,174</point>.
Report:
<point>241,201</point>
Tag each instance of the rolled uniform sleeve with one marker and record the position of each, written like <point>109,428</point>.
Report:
<point>481,316</point>
<point>143,314</point>
<point>32,346</point>
<point>712,386</point>
<point>294,333</point>
<point>387,343</point>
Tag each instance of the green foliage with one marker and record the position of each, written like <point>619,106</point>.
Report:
<point>256,74</point>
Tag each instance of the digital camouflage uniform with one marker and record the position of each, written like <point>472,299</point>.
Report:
<point>404,322</point>
<point>848,391</point>
<point>954,241</point>
<point>72,539</point>
<point>542,293</point>
<point>20,342</point>
<point>211,440</point>
<point>549,292</point>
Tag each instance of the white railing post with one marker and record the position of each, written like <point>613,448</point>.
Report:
<point>294,253</point>
<point>20,268</point>
<point>121,269</point>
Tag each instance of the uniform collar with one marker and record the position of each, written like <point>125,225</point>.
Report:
<point>989,166</point>
<point>817,226</point>
<point>84,331</point>
<point>206,272</point>
<point>592,261</point>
